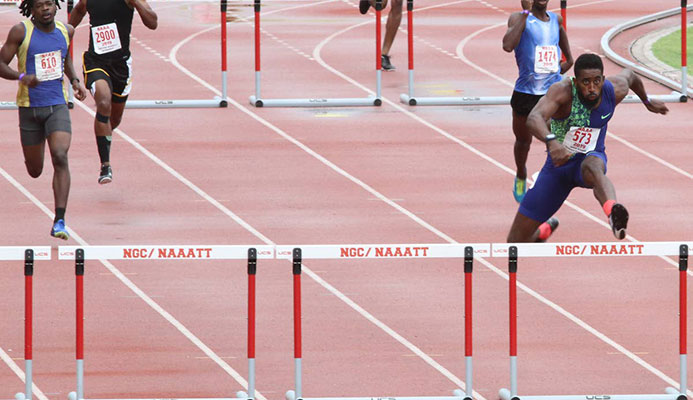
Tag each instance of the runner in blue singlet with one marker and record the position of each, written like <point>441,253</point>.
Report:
<point>579,110</point>
<point>40,44</point>
<point>539,40</point>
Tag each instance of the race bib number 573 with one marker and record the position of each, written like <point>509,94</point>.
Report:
<point>105,38</point>
<point>581,140</point>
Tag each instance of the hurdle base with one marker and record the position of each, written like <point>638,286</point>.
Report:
<point>20,396</point>
<point>370,101</point>
<point>454,101</point>
<point>504,394</point>
<point>217,102</point>
<point>457,395</point>
<point>239,395</point>
<point>674,97</point>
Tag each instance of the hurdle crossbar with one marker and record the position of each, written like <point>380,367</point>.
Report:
<point>298,253</point>
<point>674,97</point>
<point>516,251</point>
<point>28,255</point>
<point>155,252</point>
<point>257,100</point>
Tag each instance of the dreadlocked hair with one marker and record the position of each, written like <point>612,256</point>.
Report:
<point>26,6</point>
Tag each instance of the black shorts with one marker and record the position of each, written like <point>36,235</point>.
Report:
<point>37,123</point>
<point>523,103</point>
<point>117,72</point>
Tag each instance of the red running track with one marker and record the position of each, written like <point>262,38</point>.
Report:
<point>359,175</point>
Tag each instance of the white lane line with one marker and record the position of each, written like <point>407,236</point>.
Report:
<point>16,369</point>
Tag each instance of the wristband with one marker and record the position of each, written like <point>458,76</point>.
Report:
<point>647,101</point>
<point>21,76</point>
<point>525,12</point>
<point>549,138</point>
<point>72,81</point>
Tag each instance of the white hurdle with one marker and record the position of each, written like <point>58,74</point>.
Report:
<point>257,100</point>
<point>458,251</point>
<point>28,254</point>
<point>182,253</point>
<point>516,251</point>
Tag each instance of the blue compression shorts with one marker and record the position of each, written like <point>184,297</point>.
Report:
<point>553,186</point>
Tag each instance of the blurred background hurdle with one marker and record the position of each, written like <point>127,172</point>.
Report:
<point>624,249</point>
<point>459,251</point>
<point>682,95</point>
<point>188,253</point>
<point>28,254</point>
<point>257,100</point>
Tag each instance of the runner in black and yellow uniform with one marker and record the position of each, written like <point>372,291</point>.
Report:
<point>107,65</point>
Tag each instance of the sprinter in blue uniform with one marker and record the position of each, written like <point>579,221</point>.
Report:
<point>107,64</point>
<point>539,41</point>
<point>579,111</point>
<point>40,45</point>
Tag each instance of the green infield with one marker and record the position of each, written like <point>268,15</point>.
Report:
<point>668,49</point>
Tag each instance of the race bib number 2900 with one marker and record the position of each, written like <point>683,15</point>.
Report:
<point>581,140</point>
<point>105,38</point>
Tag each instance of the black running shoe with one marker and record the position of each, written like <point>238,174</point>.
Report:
<point>618,219</point>
<point>386,64</point>
<point>106,175</point>
<point>364,5</point>
<point>552,224</point>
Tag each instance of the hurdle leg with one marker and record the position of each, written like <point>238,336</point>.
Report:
<point>252,269</point>
<point>468,267</point>
<point>28,323</point>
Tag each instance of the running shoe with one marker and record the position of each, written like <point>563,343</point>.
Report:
<point>106,175</point>
<point>364,5</point>
<point>519,189</point>
<point>547,229</point>
<point>59,231</point>
<point>618,219</point>
<point>386,64</point>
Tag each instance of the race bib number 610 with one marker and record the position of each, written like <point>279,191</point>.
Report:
<point>105,38</point>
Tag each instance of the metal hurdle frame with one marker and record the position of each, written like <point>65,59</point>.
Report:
<point>148,252</point>
<point>514,251</point>
<point>257,100</point>
<point>681,96</point>
<point>675,97</point>
<point>412,100</point>
<point>28,254</point>
<point>216,102</point>
<point>298,253</point>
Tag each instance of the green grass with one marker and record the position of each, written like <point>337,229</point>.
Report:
<point>668,49</point>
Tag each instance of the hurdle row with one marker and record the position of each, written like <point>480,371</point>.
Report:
<point>298,253</point>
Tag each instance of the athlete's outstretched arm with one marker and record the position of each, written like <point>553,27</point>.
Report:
<point>628,80</point>
<point>78,13</point>
<point>148,16</point>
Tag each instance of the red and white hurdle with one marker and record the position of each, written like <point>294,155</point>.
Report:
<point>459,251</point>
<point>516,251</point>
<point>258,101</point>
<point>28,254</point>
<point>186,252</point>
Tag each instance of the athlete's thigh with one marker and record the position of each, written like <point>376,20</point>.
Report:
<point>552,187</point>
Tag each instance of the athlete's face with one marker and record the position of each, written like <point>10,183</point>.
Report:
<point>589,84</point>
<point>44,11</point>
